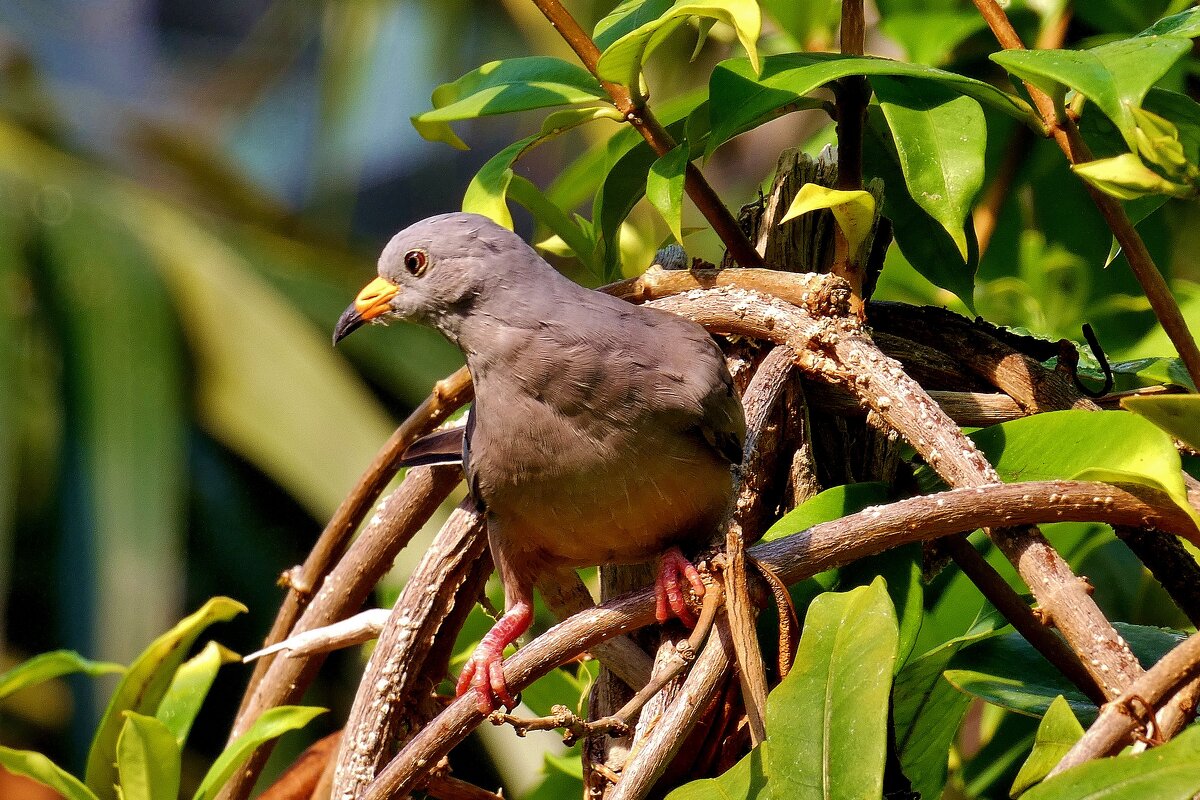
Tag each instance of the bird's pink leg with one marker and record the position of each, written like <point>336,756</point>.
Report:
<point>668,587</point>
<point>484,671</point>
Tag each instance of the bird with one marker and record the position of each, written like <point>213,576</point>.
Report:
<point>602,432</point>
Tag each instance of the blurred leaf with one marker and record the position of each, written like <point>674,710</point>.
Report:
<point>41,769</point>
<point>929,37</point>
<point>576,233</point>
<point>1167,772</point>
<point>1113,76</point>
<point>622,61</point>
<point>1057,733</point>
<point>745,780</point>
<point>144,686</point>
<point>503,87</point>
<point>741,100</point>
<point>124,381</point>
<point>922,240</point>
<point>268,384</point>
<point>47,666</point>
<point>940,138</point>
<point>563,778</point>
<point>148,760</point>
<point>853,210</point>
<point>805,20</point>
<point>664,187</point>
<point>189,688</point>
<point>1177,414</point>
<point>273,723</point>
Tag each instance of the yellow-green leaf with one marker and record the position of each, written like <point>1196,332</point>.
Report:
<point>854,210</point>
<point>1177,414</point>
<point>664,187</point>
<point>272,724</point>
<point>1125,177</point>
<point>148,760</point>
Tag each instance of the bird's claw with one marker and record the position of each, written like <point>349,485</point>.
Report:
<point>668,587</point>
<point>484,675</point>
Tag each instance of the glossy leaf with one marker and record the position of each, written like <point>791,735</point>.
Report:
<point>1057,733</point>
<point>940,138</point>
<point>189,688</point>
<point>827,720</point>
<point>1167,772</point>
<point>48,666</point>
<point>622,61</point>
<point>272,724</point>
<point>745,780</point>
<point>1177,414</point>
<point>1125,177</point>
<point>1185,23</point>
<point>853,210</point>
<point>628,16</point>
<point>741,100</point>
<point>144,686</point>
<point>1113,76</point>
<point>148,759</point>
<point>504,87</point>
<point>1102,445</point>
<point>488,191</point>
<point>664,187</point>
<point>922,240</point>
<point>37,767</point>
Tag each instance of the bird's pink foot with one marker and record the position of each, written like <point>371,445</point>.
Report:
<point>484,671</point>
<point>668,587</point>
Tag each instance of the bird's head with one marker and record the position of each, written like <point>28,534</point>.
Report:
<point>434,271</point>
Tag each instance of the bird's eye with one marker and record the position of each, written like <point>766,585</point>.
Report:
<point>415,262</point>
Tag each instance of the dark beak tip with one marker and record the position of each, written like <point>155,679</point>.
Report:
<point>350,321</point>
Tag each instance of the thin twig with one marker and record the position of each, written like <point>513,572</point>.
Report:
<point>794,558</point>
<point>1067,136</point>
<point>1121,717</point>
<point>638,115</point>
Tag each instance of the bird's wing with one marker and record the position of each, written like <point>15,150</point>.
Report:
<point>439,447</point>
<point>723,425</point>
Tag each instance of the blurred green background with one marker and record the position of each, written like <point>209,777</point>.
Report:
<point>190,193</point>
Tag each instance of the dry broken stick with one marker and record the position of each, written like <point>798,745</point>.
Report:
<point>794,558</point>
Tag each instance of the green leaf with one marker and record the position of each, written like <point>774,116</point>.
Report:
<point>144,686</point>
<point>745,780</point>
<point>1177,414</point>
<point>1125,177</point>
<point>1057,733</point>
<point>827,720</point>
<point>1088,445</point>
<point>626,17</point>
<point>740,99</point>
<point>622,61</point>
<point>48,666</point>
<point>1167,772</point>
<point>489,189</point>
<point>272,724</point>
<point>36,766</point>
<point>940,137</point>
<point>1185,23</point>
<point>504,87</point>
<point>1008,672</point>
<point>189,687</point>
<point>854,211</point>
<point>831,504</point>
<point>575,234</point>
<point>805,20</point>
<point>148,759</point>
<point>1113,76</point>
<point>928,711</point>
<point>922,240</point>
<point>664,187</point>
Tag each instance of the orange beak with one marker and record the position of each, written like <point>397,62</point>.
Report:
<point>371,302</point>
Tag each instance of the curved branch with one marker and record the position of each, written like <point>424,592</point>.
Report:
<point>794,558</point>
